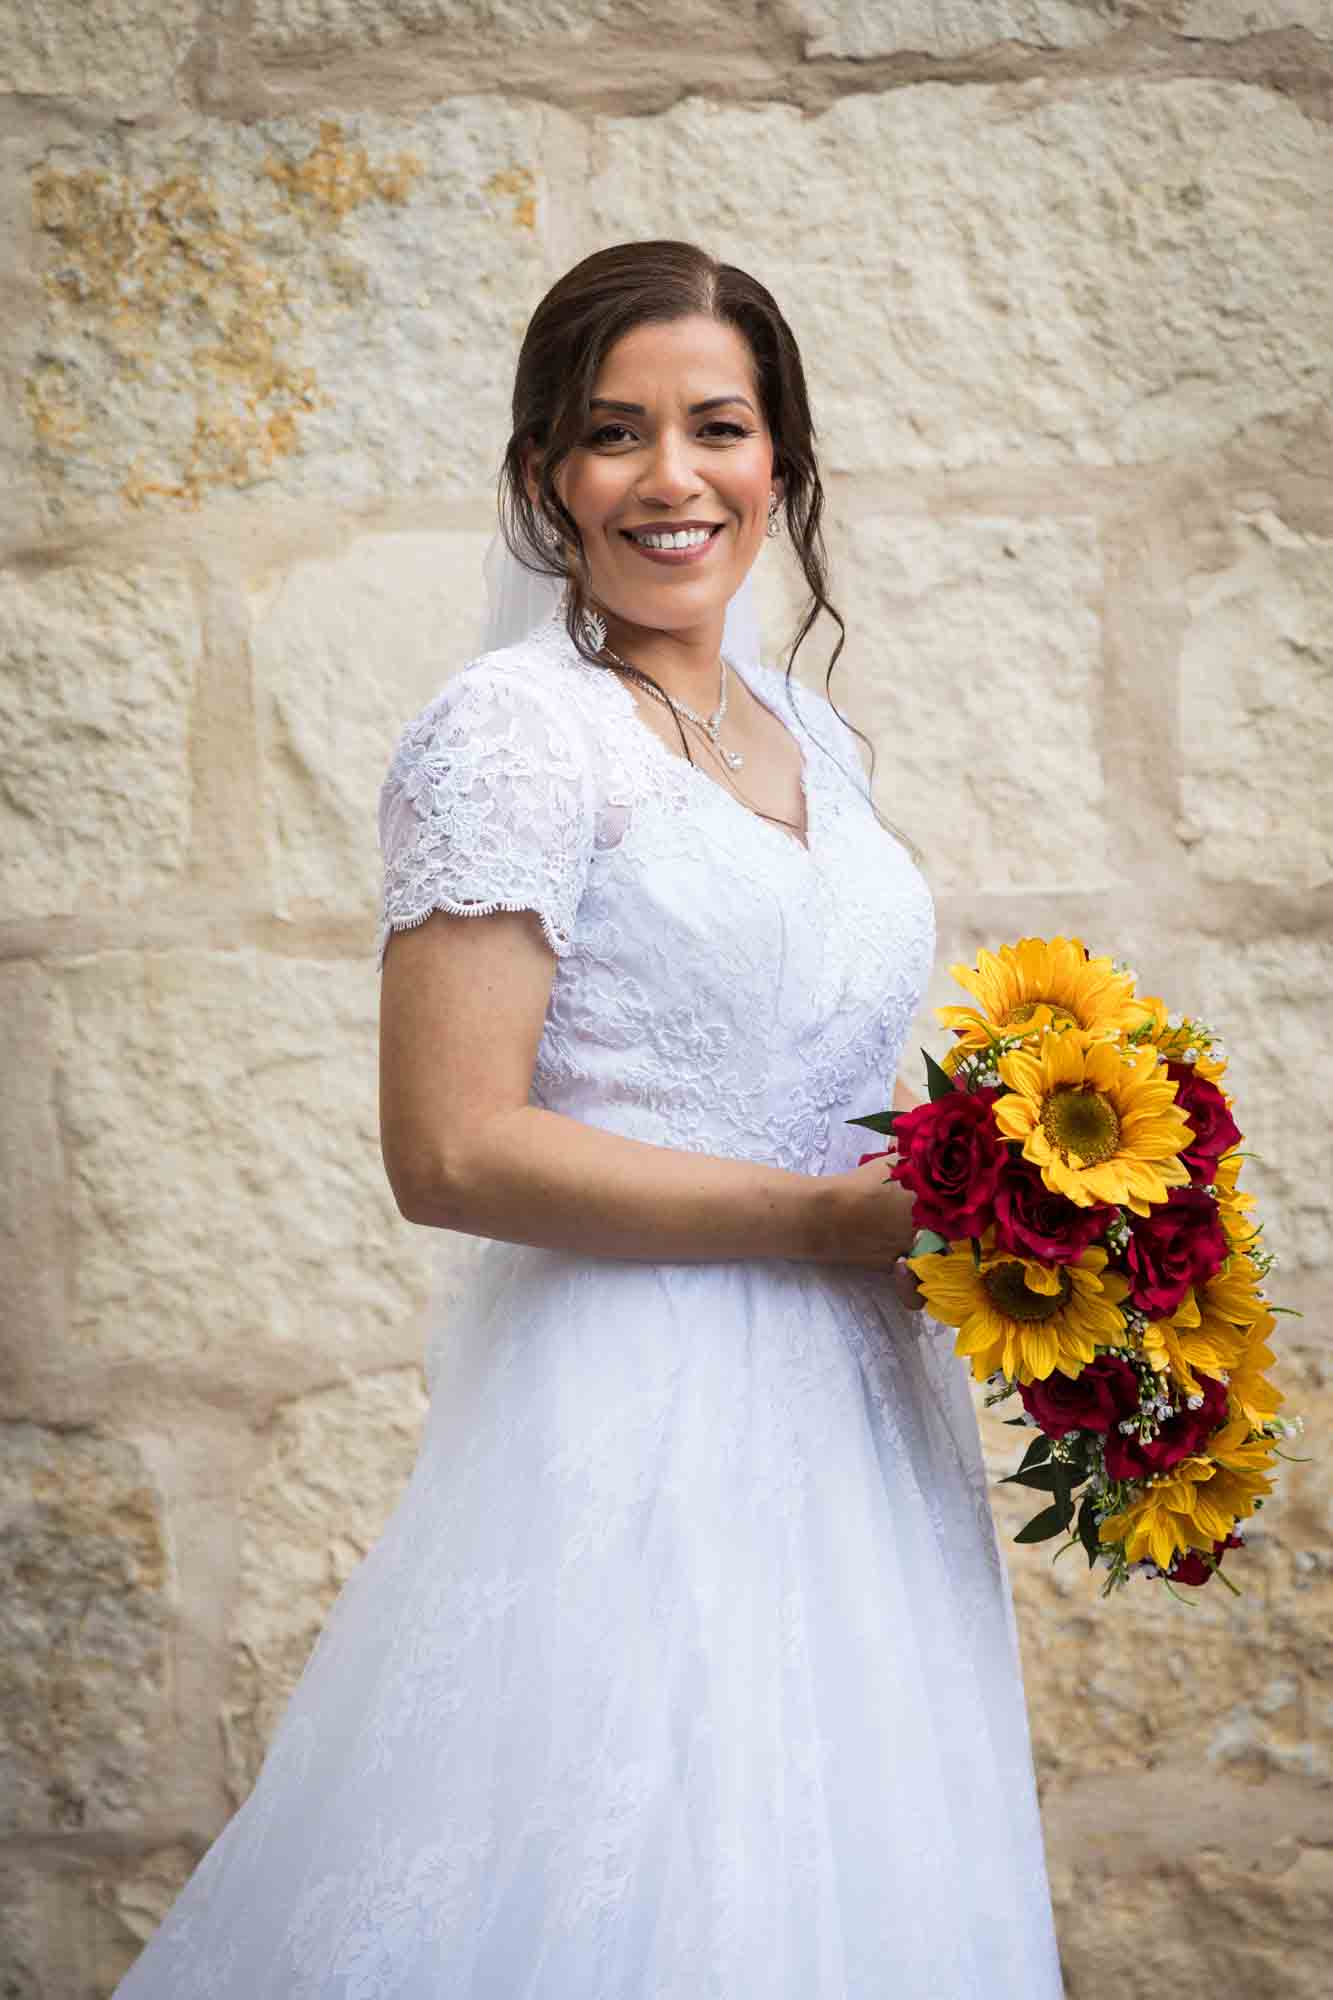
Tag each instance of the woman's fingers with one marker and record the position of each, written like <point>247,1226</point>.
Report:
<point>907,1288</point>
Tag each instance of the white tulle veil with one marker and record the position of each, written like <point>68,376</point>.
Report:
<point>517,599</point>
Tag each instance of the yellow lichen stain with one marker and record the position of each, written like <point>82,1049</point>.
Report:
<point>336,178</point>
<point>156,285</point>
<point>184,302</point>
<point>521,184</point>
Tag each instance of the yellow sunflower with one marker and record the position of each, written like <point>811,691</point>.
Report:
<point>1188,1340</point>
<point>1172,1042</point>
<point>1036,984</point>
<point>1233,1201</point>
<point>1099,1121</point>
<point>1252,1396</point>
<point>1198,1502</point>
<point>1019,1317</point>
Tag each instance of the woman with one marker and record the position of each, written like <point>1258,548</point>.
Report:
<point>685,1669</point>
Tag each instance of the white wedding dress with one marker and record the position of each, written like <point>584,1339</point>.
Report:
<point>686,1667</point>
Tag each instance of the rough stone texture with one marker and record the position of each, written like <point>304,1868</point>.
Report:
<point>346,651</point>
<point>326,307</point>
<point>1256,700</point>
<point>1228,20</point>
<point>863,28</point>
<point>1268,999</point>
<point>974,662</point>
<point>1015,274</point>
<point>71,1929</point>
<point>1201,1922</point>
<point>97,671</point>
<point>336,1465</point>
<point>305,26</point>
<point>233,1233</point>
<point>83,1679</point>
<point>124,49</point>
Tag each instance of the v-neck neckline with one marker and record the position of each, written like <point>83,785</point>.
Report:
<point>804,847</point>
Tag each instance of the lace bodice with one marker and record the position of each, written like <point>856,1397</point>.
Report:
<point>719,987</point>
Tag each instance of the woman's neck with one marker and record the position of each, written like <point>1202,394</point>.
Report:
<point>683,663</point>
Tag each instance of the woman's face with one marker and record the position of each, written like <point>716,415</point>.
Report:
<point>676,446</point>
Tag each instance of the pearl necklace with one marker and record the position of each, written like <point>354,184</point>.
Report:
<point>710,724</point>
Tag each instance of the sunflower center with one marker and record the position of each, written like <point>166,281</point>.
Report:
<point>1024,1011</point>
<point>1006,1285</point>
<point>1081,1124</point>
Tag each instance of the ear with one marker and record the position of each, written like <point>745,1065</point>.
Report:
<point>779,487</point>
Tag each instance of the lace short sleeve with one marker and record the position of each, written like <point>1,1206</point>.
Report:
<point>486,806</point>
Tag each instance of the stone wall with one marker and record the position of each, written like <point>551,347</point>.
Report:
<point>1063,270</point>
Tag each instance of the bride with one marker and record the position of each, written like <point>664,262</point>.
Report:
<point>685,1668</point>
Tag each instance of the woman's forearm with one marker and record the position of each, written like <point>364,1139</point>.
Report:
<point>538,1177</point>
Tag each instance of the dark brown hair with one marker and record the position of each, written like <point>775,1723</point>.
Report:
<point>569,337</point>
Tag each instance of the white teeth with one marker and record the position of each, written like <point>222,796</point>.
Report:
<point>684,538</point>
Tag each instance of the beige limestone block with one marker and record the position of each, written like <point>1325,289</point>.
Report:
<point>93,48</point>
<point>323,307</point>
<point>1199,1922</point>
<point>347,650</point>
<point>860,29</point>
<point>336,1464</point>
<point>83,1662</point>
<point>97,675</point>
<point>289,27</point>
<point>1268,999</point>
<point>1230,20</point>
<point>974,663</point>
<point>233,1234</point>
<point>71,1927</point>
<point>1256,709</point>
<point>1110,272</point>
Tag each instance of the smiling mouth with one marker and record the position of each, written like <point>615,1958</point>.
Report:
<point>672,538</point>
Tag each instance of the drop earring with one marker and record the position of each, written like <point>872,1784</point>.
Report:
<point>774,524</point>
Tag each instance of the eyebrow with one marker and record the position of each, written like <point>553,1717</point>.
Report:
<point>695,410</point>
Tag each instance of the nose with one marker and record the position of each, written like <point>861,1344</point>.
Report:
<point>670,476</point>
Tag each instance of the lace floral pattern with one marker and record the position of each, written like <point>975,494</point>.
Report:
<point>685,1668</point>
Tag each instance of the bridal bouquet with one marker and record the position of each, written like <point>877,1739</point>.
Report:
<point>1075,1194</point>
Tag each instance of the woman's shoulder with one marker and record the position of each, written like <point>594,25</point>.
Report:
<point>813,708</point>
<point>534,682</point>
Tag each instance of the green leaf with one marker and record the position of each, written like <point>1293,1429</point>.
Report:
<point>1043,1526</point>
<point>1087,1530</point>
<point>1044,1478</point>
<point>878,1121</point>
<point>926,1243</point>
<point>938,1081</point>
<point>1037,1452</point>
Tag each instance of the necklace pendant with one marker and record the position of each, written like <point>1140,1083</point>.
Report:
<point>732,758</point>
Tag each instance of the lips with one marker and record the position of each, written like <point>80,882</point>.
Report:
<point>692,552</point>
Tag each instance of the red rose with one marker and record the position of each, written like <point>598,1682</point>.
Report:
<point>1180,1437</point>
<point>949,1157</point>
<point>1099,1396</point>
<point>1215,1130</point>
<point>1191,1567</point>
<point>1179,1243</point>
<point>1034,1222</point>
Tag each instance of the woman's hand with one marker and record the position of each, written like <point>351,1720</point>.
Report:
<point>864,1219</point>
